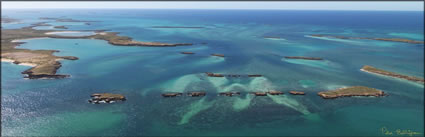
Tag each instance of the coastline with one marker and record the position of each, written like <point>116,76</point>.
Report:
<point>22,64</point>
<point>44,64</point>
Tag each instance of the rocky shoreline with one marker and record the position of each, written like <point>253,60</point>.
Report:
<point>380,39</point>
<point>98,98</point>
<point>374,70</point>
<point>351,91</point>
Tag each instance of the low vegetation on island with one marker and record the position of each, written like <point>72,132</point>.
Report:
<point>374,70</point>
<point>380,39</point>
<point>351,91</point>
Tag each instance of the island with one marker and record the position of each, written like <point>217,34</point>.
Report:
<point>98,98</point>
<point>302,57</point>
<point>296,93</point>
<point>60,27</point>
<point>374,70</point>
<point>171,94</point>
<point>218,55</point>
<point>229,93</point>
<point>196,94</point>
<point>273,92</point>
<point>187,53</point>
<point>182,27</point>
<point>209,74</point>
<point>259,93</point>
<point>44,63</point>
<point>255,75</point>
<point>351,91</point>
<point>64,19</point>
<point>9,20</point>
<point>380,39</point>
<point>272,37</point>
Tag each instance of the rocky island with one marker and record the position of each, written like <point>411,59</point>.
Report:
<point>302,57</point>
<point>171,94</point>
<point>63,19</point>
<point>98,98</point>
<point>9,20</point>
<point>44,63</point>
<point>209,74</point>
<point>275,92</point>
<point>374,70</point>
<point>187,53</point>
<point>196,94</point>
<point>259,93</point>
<point>296,93</point>
<point>229,93</point>
<point>273,37</point>
<point>60,27</point>
<point>351,91</point>
<point>218,55</point>
<point>381,39</point>
<point>181,27</point>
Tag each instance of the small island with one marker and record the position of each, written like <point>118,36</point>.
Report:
<point>60,27</point>
<point>181,27</point>
<point>275,92</point>
<point>255,75</point>
<point>381,39</point>
<point>187,53</point>
<point>63,19</point>
<point>259,93</point>
<point>171,94</point>
<point>229,94</point>
<point>196,94</point>
<point>209,74</point>
<point>273,37</point>
<point>98,98</point>
<point>9,20</point>
<point>351,91</point>
<point>374,70</point>
<point>218,55</point>
<point>296,93</point>
<point>302,57</point>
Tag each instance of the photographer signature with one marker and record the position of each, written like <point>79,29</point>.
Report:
<point>399,132</point>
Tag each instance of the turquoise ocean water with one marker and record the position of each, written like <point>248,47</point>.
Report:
<point>60,107</point>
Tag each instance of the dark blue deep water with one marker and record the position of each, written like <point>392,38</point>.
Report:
<point>59,107</point>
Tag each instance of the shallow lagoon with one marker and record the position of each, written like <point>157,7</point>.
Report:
<point>142,73</point>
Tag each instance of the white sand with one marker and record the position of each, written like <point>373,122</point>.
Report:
<point>19,40</point>
<point>22,64</point>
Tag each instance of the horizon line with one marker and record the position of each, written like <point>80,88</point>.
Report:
<point>217,9</point>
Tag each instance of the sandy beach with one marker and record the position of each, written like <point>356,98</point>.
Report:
<point>19,40</point>
<point>23,64</point>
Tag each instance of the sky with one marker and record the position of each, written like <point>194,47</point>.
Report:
<point>282,5</point>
